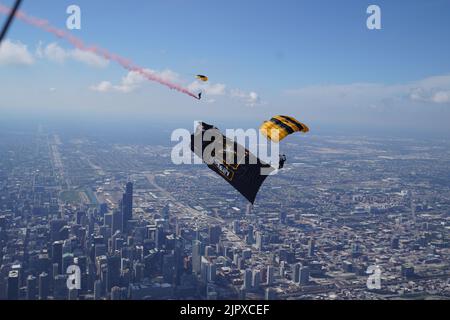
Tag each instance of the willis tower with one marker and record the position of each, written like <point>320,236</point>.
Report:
<point>127,206</point>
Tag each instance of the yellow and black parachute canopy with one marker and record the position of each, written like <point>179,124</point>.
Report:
<point>202,78</point>
<point>279,127</point>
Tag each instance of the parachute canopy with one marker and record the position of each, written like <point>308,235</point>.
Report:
<point>202,78</point>
<point>246,173</point>
<point>279,127</point>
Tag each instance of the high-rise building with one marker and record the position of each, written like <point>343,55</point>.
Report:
<point>44,286</point>
<point>31,288</point>
<point>209,251</point>
<point>270,294</point>
<point>212,272</point>
<point>236,227</point>
<point>296,273</point>
<point>113,273</point>
<point>117,222</point>
<point>160,237</point>
<point>60,290</point>
<point>97,290</point>
<point>242,294</point>
<point>247,279</point>
<point>57,254</point>
<point>282,269</point>
<point>67,261</point>
<point>250,236</point>
<point>127,206</point>
<point>304,275</point>
<point>259,241</point>
<point>169,268</point>
<point>13,285</point>
<point>214,234</point>
<point>55,229</point>
<point>270,275</point>
<point>116,293</point>
<point>73,294</point>
<point>165,212</point>
<point>196,256</point>
<point>256,279</point>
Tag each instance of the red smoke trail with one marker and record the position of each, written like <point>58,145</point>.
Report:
<point>78,43</point>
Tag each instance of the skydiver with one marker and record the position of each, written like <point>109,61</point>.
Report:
<point>200,96</point>
<point>282,161</point>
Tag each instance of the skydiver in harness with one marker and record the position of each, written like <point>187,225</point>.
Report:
<point>200,96</point>
<point>282,161</point>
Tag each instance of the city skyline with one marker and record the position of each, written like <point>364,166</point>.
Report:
<point>340,208</point>
<point>125,173</point>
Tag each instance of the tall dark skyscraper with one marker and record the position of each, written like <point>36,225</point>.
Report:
<point>57,253</point>
<point>214,234</point>
<point>13,285</point>
<point>32,287</point>
<point>127,206</point>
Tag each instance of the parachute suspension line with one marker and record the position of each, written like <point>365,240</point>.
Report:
<point>9,20</point>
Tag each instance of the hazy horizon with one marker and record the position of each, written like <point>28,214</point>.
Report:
<point>317,61</point>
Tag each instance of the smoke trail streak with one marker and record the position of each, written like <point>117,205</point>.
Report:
<point>78,43</point>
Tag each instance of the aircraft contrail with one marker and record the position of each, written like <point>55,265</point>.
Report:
<point>79,44</point>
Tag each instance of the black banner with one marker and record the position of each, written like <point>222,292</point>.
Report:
<point>245,172</point>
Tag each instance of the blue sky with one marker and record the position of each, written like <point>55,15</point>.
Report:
<point>315,60</point>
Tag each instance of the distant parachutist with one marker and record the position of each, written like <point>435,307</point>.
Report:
<point>282,161</point>
<point>200,96</point>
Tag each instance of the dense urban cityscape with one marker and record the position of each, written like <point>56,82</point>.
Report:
<point>139,227</point>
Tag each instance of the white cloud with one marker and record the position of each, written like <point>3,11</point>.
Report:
<point>432,90</point>
<point>56,53</point>
<point>130,82</point>
<point>441,97</point>
<point>15,53</point>
<point>104,86</point>
<point>217,89</point>
<point>250,99</point>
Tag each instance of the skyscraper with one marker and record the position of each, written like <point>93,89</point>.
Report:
<point>270,275</point>
<point>57,254</point>
<point>196,256</point>
<point>97,290</point>
<point>44,286</point>
<point>212,272</point>
<point>31,287</point>
<point>248,279</point>
<point>214,234</point>
<point>304,275</point>
<point>250,237</point>
<point>256,279</point>
<point>270,294</point>
<point>13,285</point>
<point>127,206</point>
<point>117,221</point>
<point>296,273</point>
<point>259,240</point>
